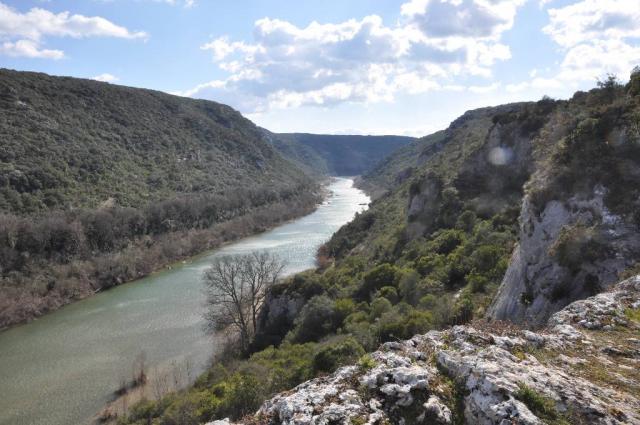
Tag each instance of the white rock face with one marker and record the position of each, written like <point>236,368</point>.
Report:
<point>487,375</point>
<point>535,274</point>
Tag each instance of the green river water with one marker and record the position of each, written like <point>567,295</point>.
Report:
<point>62,368</point>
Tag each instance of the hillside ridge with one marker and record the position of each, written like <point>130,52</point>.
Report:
<point>487,374</point>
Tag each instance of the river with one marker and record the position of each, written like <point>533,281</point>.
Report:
<point>62,368</point>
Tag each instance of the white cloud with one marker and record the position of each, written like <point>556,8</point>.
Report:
<point>106,78</point>
<point>28,49</point>
<point>589,20</point>
<point>23,33</point>
<point>462,18</point>
<point>596,37</point>
<point>360,60</point>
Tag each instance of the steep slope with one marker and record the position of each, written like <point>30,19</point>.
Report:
<point>581,369</point>
<point>579,221</point>
<point>565,172</point>
<point>449,229</point>
<point>338,155</point>
<point>400,164</point>
<point>303,156</point>
<point>69,143</point>
<point>101,184</point>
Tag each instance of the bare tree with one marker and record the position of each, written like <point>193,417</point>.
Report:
<point>236,287</point>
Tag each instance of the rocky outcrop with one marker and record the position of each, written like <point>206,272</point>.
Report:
<point>541,278</point>
<point>582,368</point>
<point>277,315</point>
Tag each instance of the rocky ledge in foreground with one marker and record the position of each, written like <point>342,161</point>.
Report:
<point>583,368</point>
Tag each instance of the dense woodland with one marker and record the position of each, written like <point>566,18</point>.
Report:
<point>101,184</point>
<point>432,249</point>
<point>337,155</point>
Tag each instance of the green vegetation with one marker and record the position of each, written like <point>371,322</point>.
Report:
<point>101,184</point>
<point>633,314</point>
<point>599,149</point>
<point>578,244</point>
<point>434,246</point>
<point>337,155</point>
<point>541,406</point>
<point>69,143</point>
<point>382,280</point>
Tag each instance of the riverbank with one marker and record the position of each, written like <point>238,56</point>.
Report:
<point>65,367</point>
<point>54,285</point>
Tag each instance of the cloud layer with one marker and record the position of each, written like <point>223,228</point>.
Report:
<point>360,60</point>
<point>23,33</point>
<point>595,37</point>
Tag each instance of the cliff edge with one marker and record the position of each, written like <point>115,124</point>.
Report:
<point>581,368</point>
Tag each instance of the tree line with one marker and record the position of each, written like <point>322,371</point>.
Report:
<point>47,260</point>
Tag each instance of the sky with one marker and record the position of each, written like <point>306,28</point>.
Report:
<point>405,67</point>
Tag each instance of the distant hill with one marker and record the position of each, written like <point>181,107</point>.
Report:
<point>337,154</point>
<point>69,143</point>
<point>101,184</point>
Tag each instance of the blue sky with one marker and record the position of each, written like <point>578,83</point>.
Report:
<point>366,67</point>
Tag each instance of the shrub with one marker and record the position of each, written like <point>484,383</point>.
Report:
<point>540,405</point>
<point>332,356</point>
<point>577,245</point>
<point>466,221</point>
<point>477,282</point>
<point>403,322</point>
<point>366,362</point>
<point>388,292</point>
<point>191,409</point>
<point>446,241</point>
<point>428,302</point>
<point>633,87</point>
<point>379,306</point>
<point>284,367</point>
<point>463,310</point>
<point>343,308</point>
<point>381,275</point>
<point>485,258</point>
<point>317,318</point>
<point>409,286</point>
<point>429,263</point>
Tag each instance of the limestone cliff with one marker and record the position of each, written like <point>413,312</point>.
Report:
<point>539,282</point>
<point>582,368</point>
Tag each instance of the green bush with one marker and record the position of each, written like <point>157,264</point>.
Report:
<point>430,262</point>
<point>446,241</point>
<point>466,221</point>
<point>379,306</point>
<point>190,409</point>
<point>633,88</point>
<point>485,258</point>
<point>343,352</point>
<point>577,245</point>
<point>540,405</point>
<point>388,292</point>
<point>343,308</point>
<point>477,282</point>
<point>378,277</point>
<point>403,322</point>
<point>316,319</point>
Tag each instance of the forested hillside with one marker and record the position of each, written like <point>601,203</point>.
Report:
<point>510,213</point>
<point>100,184</point>
<point>338,155</point>
<point>71,143</point>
